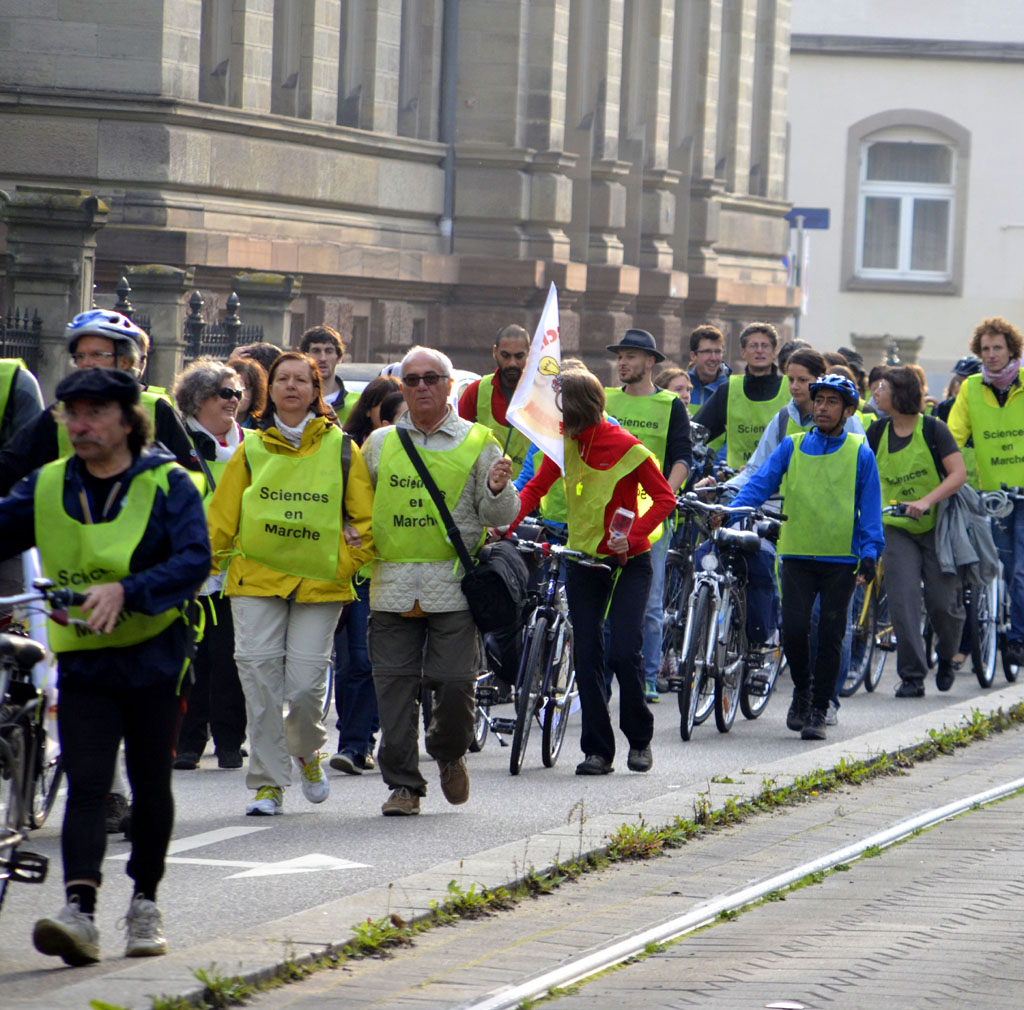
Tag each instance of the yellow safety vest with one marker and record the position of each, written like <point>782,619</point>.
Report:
<point>819,496</point>
<point>406,524</point>
<point>588,491</point>
<point>518,444</point>
<point>998,434</point>
<point>80,555</point>
<point>906,476</point>
<point>291,515</point>
<point>746,419</point>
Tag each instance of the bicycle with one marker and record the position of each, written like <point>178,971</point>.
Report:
<point>545,690</point>
<point>716,654</point>
<point>27,704</point>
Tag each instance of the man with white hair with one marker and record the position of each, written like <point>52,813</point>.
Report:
<point>421,630</point>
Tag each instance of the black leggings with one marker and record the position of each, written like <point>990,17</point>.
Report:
<point>802,581</point>
<point>92,723</point>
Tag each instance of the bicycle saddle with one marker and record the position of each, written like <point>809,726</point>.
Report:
<point>744,541</point>
<point>23,651</point>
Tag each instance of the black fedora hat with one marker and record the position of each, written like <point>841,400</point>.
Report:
<point>637,340</point>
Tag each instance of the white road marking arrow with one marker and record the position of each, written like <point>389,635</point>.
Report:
<point>312,863</point>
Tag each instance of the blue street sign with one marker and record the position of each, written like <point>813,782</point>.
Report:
<point>814,217</point>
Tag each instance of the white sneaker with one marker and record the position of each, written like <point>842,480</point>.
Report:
<point>71,935</point>
<point>144,928</point>
<point>269,801</point>
<point>316,787</point>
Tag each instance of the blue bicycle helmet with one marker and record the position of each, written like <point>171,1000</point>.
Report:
<point>842,385</point>
<point>969,365</point>
<point>104,323</point>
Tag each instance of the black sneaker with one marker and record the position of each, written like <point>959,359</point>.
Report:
<point>594,764</point>
<point>814,725</point>
<point>945,675</point>
<point>187,760</point>
<point>910,689</point>
<point>115,807</point>
<point>798,712</point>
<point>640,759</point>
<point>229,758</point>
<point>1014,653</point>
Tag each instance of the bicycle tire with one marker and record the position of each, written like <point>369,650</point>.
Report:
<point>41,794</point>
<point>691,667</point>
<point>328,702</point>
<point>752,704</point>
<point>12,768</point>
<point>873,673</point>
<point>678,584</point>
<point>981,612</point>
<point>527,691</point>
<point>863,647</point>
<point>730,677</point>
<point>561,692</point>
<point>481,727</point>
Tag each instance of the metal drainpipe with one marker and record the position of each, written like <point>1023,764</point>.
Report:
<point>449,76</point>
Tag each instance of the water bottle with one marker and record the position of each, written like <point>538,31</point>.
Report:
<point>622,523</point>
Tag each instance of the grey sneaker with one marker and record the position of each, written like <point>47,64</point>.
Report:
<point>832,715</point>
<point>144,928</point>
<point>71,935</point>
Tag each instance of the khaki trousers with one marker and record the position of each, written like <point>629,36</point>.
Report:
<point>282,649</point>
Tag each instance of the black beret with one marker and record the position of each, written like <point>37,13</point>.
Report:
<point>99,384</point>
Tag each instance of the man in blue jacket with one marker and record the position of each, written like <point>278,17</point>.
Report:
<point>833,536</point>
<point>123,524</point>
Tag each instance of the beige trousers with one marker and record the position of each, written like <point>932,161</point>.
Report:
<point>282,649</point>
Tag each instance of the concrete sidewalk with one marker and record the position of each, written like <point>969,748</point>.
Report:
<point>448,967</point>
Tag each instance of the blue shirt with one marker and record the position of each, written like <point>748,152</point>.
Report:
<point>868,535</point>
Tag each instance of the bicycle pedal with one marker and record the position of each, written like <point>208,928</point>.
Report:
<point>675,684</point>
<point>29,867</point>
<point>503,725</point>
<point>757,685</point>
<point>886,644</point>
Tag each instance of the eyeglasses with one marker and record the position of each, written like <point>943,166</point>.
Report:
<point>711,351</point>
<point>81,357</point>
<point>227,393</point>
<point>431,379</point>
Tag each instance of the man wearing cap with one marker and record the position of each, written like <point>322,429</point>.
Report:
<point>487,399</point>
<point>123,524</point>
<point>96,339</point>
<point>744,406</point>
<point>659,419</point>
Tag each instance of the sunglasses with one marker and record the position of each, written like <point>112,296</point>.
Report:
<point>431,379</point>
<point>226,393</point>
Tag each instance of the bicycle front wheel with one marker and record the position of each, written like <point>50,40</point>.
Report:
<point>47,775</point>
<point>981,611</point>
<point>695,685</point>
<point>562,697</point>
<point>730,677</point>
<point>536,650</point>
<point>862,651</point>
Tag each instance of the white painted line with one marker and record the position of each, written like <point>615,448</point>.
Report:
<point>190,842</point>
<point>312,863</point>
<point>580,968</point>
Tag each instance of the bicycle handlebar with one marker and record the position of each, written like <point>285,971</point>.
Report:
<point>690,500</point>
<point>557,551</point>
<point>60,599</point>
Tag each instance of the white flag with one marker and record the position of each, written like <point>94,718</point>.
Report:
<point>536,407</point>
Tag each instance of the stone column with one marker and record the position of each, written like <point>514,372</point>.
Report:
<point>51,241</point>
<point>159,292</point>
<point>266,300</point>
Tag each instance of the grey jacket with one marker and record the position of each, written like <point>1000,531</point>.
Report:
<point>963,536</point>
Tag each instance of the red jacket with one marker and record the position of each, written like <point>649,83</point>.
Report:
<point>601,447</point>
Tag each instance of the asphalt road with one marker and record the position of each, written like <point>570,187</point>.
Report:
<point>251,871</point>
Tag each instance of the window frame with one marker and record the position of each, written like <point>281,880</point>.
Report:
<point>904,126</point>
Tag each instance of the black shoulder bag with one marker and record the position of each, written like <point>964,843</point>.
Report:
<point>494,583</point>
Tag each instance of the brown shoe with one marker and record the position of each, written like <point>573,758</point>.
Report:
<point>454,780</point>
<point>401,803</point>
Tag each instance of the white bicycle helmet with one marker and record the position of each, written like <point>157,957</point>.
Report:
<point>109,324</point>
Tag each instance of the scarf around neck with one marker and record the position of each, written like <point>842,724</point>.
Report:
<point>292,435</point>
<point>1002,380</point>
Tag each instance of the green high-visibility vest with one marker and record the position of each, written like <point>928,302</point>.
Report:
<point>406,524</point>
<point>819,496</point>
<point>746,419</point>
<point>907,475</point>
<point>348,401</point>
<point>80,555</point>
<point>147,400</point>
<point>518,444</point>
<point>216,468</point>
<point>552,505</point>
<point>645,417</point>
<point>8,373</point>
<point>998,434</point>
<point>588,491</point>
<point>291,511</point>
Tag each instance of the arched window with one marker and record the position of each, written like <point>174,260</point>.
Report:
<point>905,203</point>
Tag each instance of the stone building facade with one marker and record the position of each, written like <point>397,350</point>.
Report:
<point>404,170</point>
